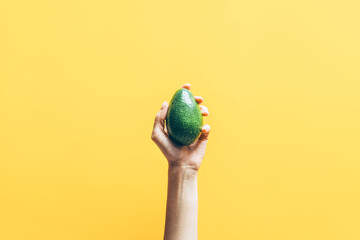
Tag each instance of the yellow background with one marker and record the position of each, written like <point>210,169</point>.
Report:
<point>81,82</point>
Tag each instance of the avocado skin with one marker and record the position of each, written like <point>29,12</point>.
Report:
<point>184,119</point>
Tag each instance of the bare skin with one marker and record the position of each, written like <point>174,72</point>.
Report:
<point>184,163</point>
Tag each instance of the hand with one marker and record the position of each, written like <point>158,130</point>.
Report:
<point>183,156</point>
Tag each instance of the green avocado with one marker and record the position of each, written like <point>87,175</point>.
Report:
<point>184,119</point>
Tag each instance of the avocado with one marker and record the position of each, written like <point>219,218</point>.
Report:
<point>184,119</point>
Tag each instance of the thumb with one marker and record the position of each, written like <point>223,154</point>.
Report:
<point>160,116</point>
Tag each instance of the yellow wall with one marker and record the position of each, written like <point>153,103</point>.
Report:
<point>80,84</point>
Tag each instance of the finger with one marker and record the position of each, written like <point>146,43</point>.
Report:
<point>205,132</point>
<point>204,110</point>
<point>186,86</point>
<point>199,99</point>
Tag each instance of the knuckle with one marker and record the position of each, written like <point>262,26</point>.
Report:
<point>154,136</point>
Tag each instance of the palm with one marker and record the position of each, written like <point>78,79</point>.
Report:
<point>189,155</point>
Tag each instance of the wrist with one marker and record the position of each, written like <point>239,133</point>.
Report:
<point>182,170</point>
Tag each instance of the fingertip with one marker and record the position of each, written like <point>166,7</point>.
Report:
<point>204,110</point>
<point>204,134</point>
<point>164,105</point>
<point>186,86</point>
<point>199,99</point>
<point>206,128</point>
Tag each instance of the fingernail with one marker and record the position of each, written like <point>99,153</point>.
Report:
<point>163,105</point>
<point>206,129</point>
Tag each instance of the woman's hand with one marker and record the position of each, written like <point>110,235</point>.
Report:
<point>184,156</point>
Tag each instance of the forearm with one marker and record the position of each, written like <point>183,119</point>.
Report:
<point>182,204</point>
